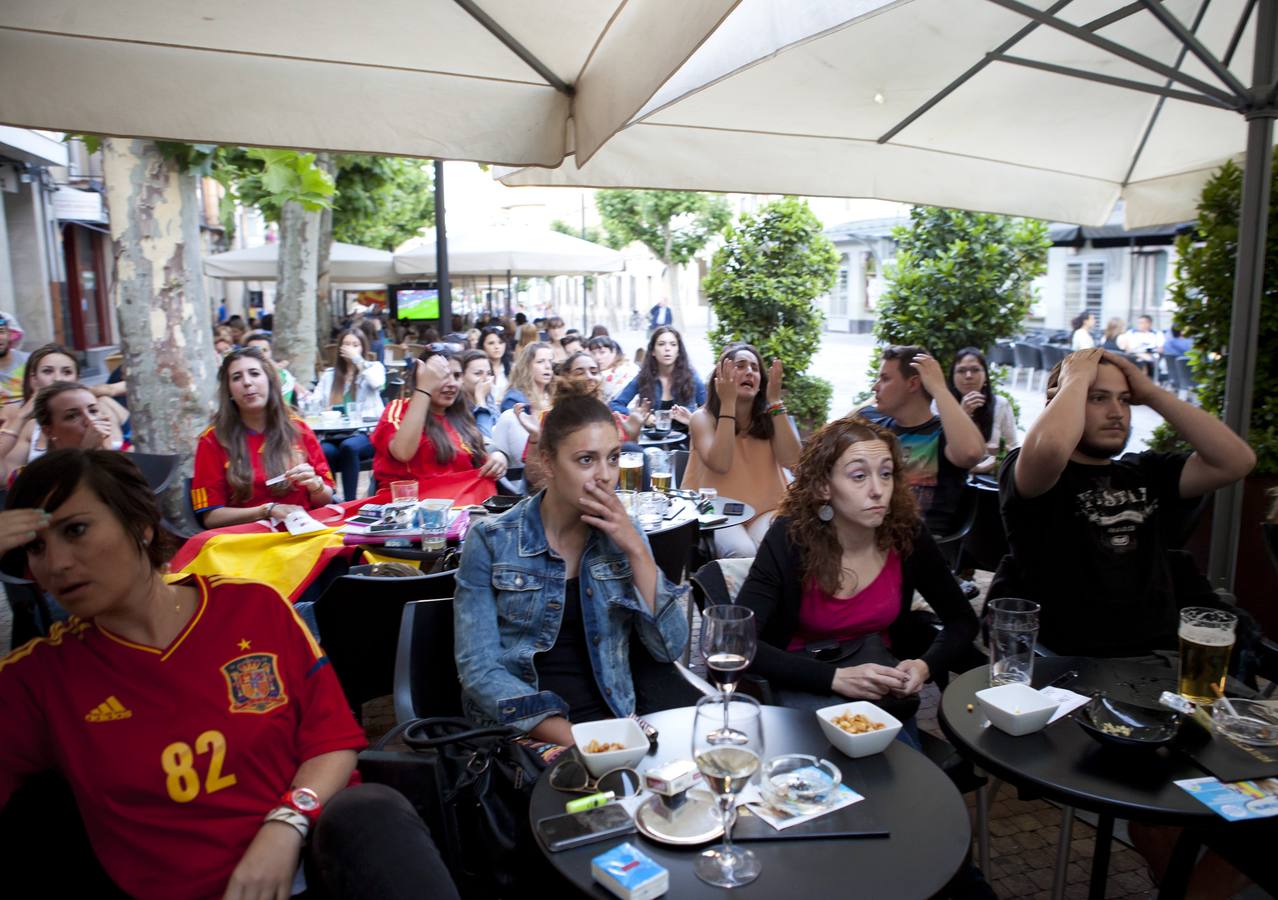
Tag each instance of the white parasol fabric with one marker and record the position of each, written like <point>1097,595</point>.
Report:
<point>348,264</point>
<point>958,103</point>
<point>503,250</point>
<point>511,81</point>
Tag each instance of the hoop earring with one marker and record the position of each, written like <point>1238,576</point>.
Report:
<point>825,512</point>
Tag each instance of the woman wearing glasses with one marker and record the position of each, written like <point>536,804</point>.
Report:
<point>992,413</point>
<point>257,460</point>
<point>550,593</point>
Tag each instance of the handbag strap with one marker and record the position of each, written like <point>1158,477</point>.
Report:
<point>433,733</point>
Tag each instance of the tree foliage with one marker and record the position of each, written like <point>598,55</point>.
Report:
<point>594,234</point>
<point>960,279</point>
<point>267,179</point>
<point>1204,296</point>
<point>762,286</point>
<point>674,225</point>
<point>382,201</point>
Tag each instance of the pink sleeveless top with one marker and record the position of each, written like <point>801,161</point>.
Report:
<point>870,610</point>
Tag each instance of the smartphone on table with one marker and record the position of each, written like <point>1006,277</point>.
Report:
<point>568,830</point>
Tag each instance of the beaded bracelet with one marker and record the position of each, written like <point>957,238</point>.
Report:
<point>776,410</point>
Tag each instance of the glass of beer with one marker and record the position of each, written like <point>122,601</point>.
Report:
<point>631,465</point>
<point>1206,637</point>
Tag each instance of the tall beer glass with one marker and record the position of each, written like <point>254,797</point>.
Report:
<point>1206,637</point>
<point>631,465</point>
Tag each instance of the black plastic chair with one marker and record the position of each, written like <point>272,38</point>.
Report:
<point>1053,354</point>
<point>159,469</point>
<point>1000,354</point>
<point>964,518</point>
<point>359,621</point>
<point>425,682</point>
<point>986,543</point>
<point>672,549</point>
<point>1026,356</point>
<point>679,460</point>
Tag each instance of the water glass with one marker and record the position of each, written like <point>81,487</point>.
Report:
<point>1013,631</point>
<point>650,508</point>
<point>403,493</point>
<point>434,520</point>
<point>661,420</point>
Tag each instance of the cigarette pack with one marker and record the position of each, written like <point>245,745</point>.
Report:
<point>672,778</point>
<point>629,873</point>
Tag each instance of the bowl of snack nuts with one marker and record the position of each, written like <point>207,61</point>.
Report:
<point>610,744</point>
<point>858,728</point>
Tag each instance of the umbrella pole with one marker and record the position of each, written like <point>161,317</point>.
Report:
<point>441,255</point>
<point>1248,285</point>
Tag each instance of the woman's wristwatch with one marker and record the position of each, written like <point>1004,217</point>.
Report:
<point>301,809</point>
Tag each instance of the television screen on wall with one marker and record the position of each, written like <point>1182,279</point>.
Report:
<point>416,303</point>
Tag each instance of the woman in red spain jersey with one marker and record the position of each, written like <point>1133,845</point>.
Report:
<point>206,741</point>
<point>429,435</point>
<point>253,440</point>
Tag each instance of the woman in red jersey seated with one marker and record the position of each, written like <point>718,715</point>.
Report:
<point>207,744</point>
<point>254,441</point>
<point>429,436</point>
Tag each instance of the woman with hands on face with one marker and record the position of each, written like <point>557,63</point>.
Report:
<point>430,434</point>
<point>992,413</point>
<point>741,440</point>
<point>834,578</point>
<point>255,439</point>
<point>550,593</point>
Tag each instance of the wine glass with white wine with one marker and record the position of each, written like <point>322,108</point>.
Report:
<point>727,762</point>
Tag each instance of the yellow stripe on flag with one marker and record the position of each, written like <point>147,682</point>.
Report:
<point>282,561</point>
<point>371,556</point>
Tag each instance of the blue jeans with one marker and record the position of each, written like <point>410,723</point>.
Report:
<point>344,460</point>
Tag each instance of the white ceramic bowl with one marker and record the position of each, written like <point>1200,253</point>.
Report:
<point>611,731</point>
<point>1016,708</point>
<point>858,745</point>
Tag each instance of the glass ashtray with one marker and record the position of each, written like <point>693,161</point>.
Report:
<point>1255,722</point>
<point>799,784</point>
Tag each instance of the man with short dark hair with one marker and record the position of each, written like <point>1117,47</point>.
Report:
<point>288,384</point>
<point>1089,533</point>
<point>939,447</point>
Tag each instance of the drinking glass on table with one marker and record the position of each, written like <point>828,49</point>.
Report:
<point>727,763</point>
<point>728,642</point>
<point>631,469</point>
<point>1013,630</point>
<point>662,420</point>
<point>1206,638</point>
<point>434,519</point>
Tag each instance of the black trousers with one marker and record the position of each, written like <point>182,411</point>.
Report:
<point>369,842</point>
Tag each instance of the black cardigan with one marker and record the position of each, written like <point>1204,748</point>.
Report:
<point>774,591</point>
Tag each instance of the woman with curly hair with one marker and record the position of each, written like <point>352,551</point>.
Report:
<point>666,378</point>
<point>531,377</point>
<point>833,581</point>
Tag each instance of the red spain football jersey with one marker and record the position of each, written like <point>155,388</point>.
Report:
<point>175,754</point>
<point>209,489</point>
<point>422,466</point>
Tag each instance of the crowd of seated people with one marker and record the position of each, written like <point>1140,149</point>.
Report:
<point>555,596</point>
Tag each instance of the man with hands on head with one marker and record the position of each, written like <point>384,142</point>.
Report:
<point>1090,533</point>
<point>938,447</point>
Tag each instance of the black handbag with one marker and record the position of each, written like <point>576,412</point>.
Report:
<point>474,792</point>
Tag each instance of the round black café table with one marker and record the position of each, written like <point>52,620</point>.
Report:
<point>654,439</point>
<point>927,821</point>
<point>1064,764</point>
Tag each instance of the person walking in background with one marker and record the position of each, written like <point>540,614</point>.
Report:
<point>992,413</point>
<point>1083,323</point>
<point>659,315</point>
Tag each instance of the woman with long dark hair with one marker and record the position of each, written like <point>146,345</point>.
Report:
<point>992,413</point>
<point>550,594</point>
<point>742,439</point>
<point>666,378</point>
<point>1082,325</point>
<point>477,387</point>
<point>839,567</point>
<point>495,344</point>
<point>356,384</point>
<point>430,436</point>
<point>255,439</point>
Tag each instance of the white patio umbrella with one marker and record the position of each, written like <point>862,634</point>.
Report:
<point>518,81</point>
<point>1054,109</point>
<point>348,264</point>
<point>508,250</point>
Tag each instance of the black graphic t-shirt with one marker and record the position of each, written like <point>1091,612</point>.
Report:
<point>1093,552</point>
<point>936,482</point>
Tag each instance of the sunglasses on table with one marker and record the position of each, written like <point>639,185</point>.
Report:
<point>572,775</point>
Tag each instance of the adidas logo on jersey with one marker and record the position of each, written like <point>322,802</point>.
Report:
<point>109,710</point>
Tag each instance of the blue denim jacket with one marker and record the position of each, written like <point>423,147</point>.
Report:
<point>509,604</point>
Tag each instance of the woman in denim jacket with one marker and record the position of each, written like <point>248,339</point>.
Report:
<point>549,593</point>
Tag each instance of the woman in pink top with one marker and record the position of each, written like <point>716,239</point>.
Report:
<point>741,441</point>
<point>834,577</point>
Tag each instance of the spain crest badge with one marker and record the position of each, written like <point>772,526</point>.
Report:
<point>253,684</point>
